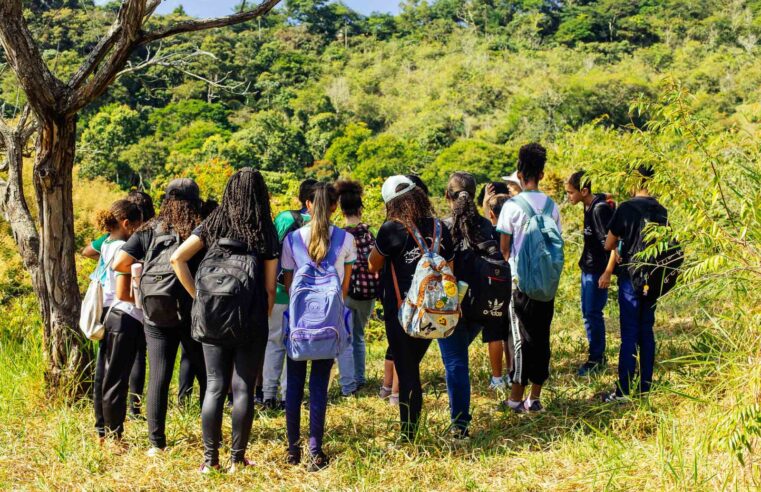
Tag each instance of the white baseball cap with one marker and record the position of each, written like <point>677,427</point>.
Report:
<point>513,178</point>
<point>392,187</point>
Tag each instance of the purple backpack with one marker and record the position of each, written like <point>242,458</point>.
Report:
<point>317,324</point>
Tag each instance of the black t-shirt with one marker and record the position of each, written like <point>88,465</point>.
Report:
<point>629,218</point>
<point>594,258</point>
<point>400,249</point>
<point>138,247</point>
<point>487,232</point>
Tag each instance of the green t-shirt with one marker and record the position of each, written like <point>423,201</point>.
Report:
<point>283,223</point>
<point>98,243</point>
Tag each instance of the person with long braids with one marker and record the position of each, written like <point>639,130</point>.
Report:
<point>396,255</point>
<point>322,240</point>
<point>178,216</point>
<point>469,230</point>
<point>243,218</point>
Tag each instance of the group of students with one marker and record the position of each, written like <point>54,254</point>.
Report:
<point>246,295</point>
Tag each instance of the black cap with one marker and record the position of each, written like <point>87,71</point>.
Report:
<point>183,189</point>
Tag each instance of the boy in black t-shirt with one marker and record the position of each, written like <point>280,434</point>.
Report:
<point>595,279</point>
<point>637,315</point>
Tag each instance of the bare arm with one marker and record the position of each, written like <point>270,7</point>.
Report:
<point>505,243</point>
<point>611,242</point>
<point>270,283</point>
<point>179,261</point>
<point>376,261</point>
<point>90,252</point>
<point>123,262</point>
<point>347,280</point>
<point>124,288</point>
<point>287,280</point>
<point>604,281</point>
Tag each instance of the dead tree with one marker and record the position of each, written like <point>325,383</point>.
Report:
<point>48,245</point>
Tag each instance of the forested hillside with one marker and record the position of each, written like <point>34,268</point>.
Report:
<point>316,90</point>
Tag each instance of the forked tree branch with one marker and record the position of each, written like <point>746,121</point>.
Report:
<point>202,24</point>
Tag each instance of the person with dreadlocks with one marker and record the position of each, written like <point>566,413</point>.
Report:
<point>178,216</point>
<point>396,255</point>
<point>469,231</point>
<point>243,217</point>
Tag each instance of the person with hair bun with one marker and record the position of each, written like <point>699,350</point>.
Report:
<point>123,320</point>
<point>364,286</point>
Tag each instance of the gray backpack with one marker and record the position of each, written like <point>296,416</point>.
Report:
<point>160,289</point>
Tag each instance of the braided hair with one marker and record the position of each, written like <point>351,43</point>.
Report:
<point>244,214</point>
<point>461,191</point>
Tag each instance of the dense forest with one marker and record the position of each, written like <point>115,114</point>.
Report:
<point>314,89</point>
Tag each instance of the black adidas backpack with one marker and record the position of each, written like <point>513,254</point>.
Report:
<point>160,289</point>
<point>490,284</point>
<point>655,275</point>
<point>228,302</point>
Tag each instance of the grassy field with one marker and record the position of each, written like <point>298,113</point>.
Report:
<point>667,441</point>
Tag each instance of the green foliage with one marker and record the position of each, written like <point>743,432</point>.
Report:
<point>107,135</point>
<point>343,150</point>
<point>484,160</point>
<point>383,156</point>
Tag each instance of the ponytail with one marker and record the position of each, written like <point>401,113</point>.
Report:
<point>325,198</point>
<point>108,220</point>
<point>461,192</point>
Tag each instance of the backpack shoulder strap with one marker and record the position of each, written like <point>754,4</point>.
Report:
<point>523,203</point>
<point>298,247</point>
<point>419,239</point>
<point>297,218</point>
<point>436,235</point>
<point>396,286</point>
<point>337,238</point>
<point>549,207</point>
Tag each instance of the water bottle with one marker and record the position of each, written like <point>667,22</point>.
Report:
<point>137,272</point>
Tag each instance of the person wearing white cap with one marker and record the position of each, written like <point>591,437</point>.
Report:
<point>513,183</point>
<point>396,255</point>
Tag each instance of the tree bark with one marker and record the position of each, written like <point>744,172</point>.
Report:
<point>59,294</point>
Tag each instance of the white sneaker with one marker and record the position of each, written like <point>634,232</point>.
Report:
<point>393,400</point>
<point>497,384</point>
<point>154,452</point>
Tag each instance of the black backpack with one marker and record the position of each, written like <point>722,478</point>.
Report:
<point>160,289</point>
<point>229,301</point>
<point>490,284</point>
<point>653,276</point>
<point>298,222</point>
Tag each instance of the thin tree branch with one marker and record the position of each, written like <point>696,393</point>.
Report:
<point>202,24</point>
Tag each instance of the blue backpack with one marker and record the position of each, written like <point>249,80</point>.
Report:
<point>316,323</point>
<point>540,261</point>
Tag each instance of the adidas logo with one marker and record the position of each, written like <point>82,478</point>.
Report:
<point>494,308</point>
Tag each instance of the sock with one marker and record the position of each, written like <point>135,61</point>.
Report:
<point>529,402</point>
<point>496,380</point>
<point>514,404</point>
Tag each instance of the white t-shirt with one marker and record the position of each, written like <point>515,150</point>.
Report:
<point>513,221</point>
<point>110,249</point>
<point>346,256</point>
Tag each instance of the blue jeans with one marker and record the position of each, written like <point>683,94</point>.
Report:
<point>637,320</point>
<point>593,300</point>
<point>454,354</point>
<point>346,370</point>
<point>360,315</point>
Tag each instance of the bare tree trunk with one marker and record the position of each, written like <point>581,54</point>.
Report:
<point>59,293</point>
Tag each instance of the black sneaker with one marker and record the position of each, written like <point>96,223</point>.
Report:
<point>258,396</point>
<point>293,458</point>
<point>274,405</point>
<point>505,406</point>
<point>536,407</point>
<point>590,367</point>
<point>460,434</point>
<point>318,462</point>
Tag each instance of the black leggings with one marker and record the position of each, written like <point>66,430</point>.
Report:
<point>187,375</point>
<point>407,354</point>
<point>122,343</point>
<point>162,354</point>
<point>97,385</point>
<point>228,367</point>
<point>137,378</point>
